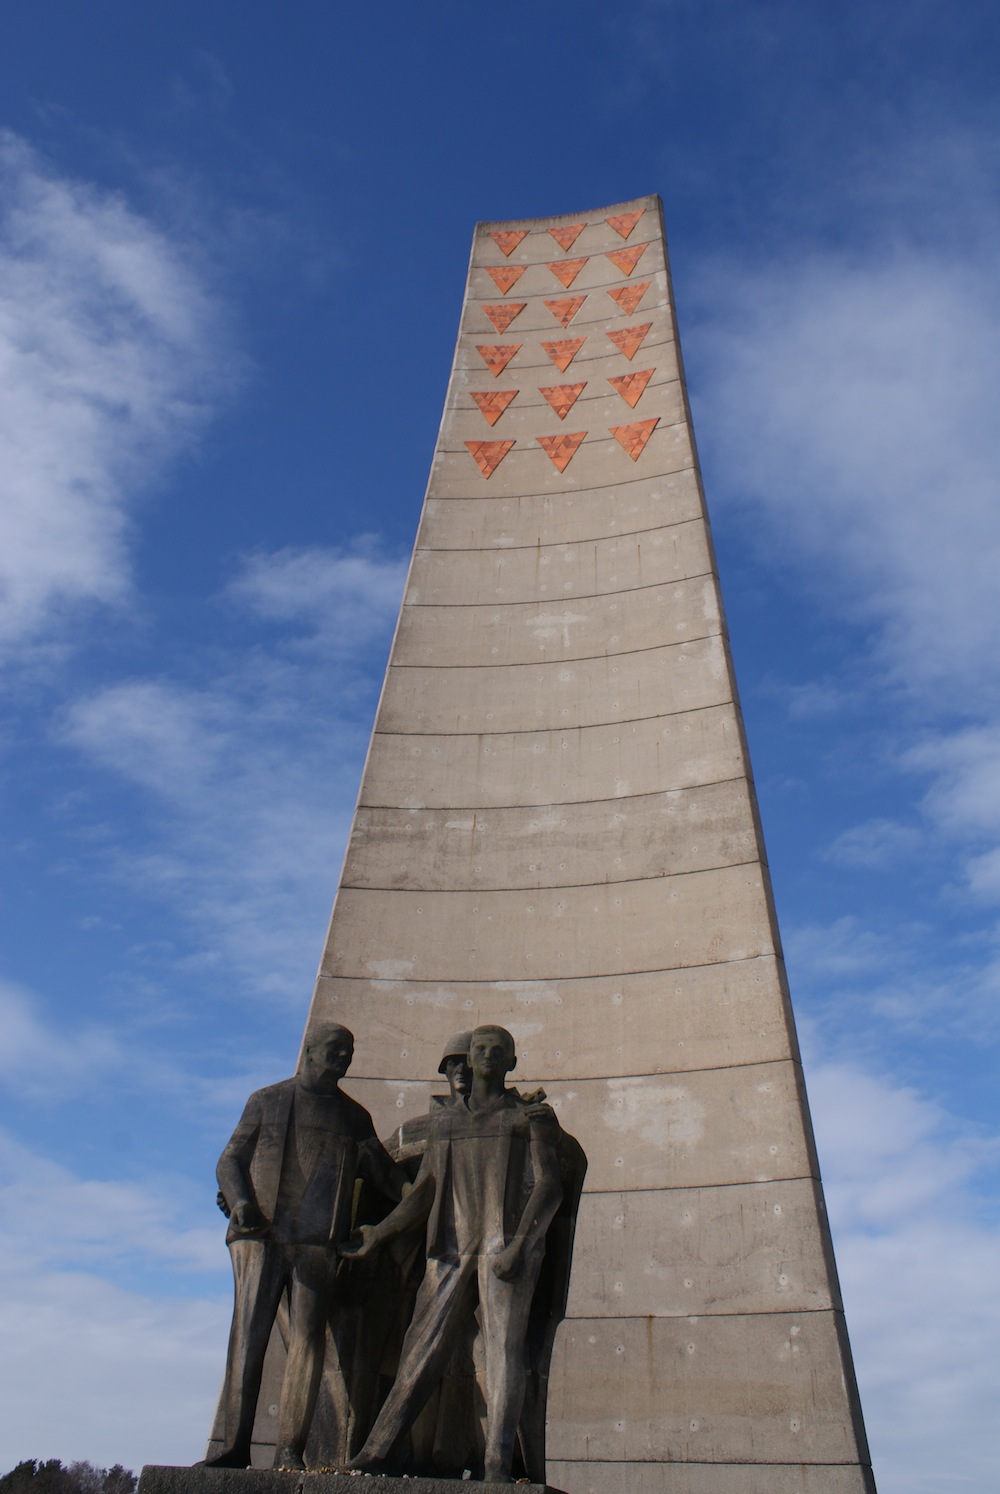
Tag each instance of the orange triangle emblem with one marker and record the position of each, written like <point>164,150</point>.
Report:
<point>561,450</point>
<point>508,241</point>
<point>488,455</point>
<point>563,353</point>
<point>562,397</point>
<point>624,223</point>
<point>505,277</point>
<point>629,296</point>
<point>567,237</point>
<point>565,311</point>
<point>627,259</point>
<point>629,386</point>
<point>497,357</point>
<point>502,316</point>
<point>567,270</point>
<point>630,339</point>
<point>493,402</point>
<point>632,438</point>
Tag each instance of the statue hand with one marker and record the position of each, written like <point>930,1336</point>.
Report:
<point>246,1219</point>
<point>361,1243</point>
<point>507,1265</point>
<point>538,1110</point>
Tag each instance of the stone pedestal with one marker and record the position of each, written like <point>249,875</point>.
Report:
<point>198,1480</point>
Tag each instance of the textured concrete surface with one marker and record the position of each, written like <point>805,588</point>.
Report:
<point>557,830</point>
<point>161,1479</point>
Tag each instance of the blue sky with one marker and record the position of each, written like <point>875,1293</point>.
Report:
<point>233,243</point>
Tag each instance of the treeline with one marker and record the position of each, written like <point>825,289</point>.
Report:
<point>33,1477</point>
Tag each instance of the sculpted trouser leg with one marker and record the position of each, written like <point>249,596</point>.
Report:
<point>504,1307</point>
<point>446,1292</point>
<point>312,1276</point>
<point>259,1271</point>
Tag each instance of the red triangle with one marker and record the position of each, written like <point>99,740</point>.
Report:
<point>561,449</point>
<point>563,353</point>
<point>629,296</point>
<point>567,270</point>
<point>632,438</point>
<point>630,339</point>
<point>496,357</point>
<point>567,237</point>
<point>625,222</point>
<point>630,386</point>
<point>502,316</point>
<point>507,240</point>
<point>627,259</point>
<point>488,455</point>
<point>562,397</point>
<point>493,402</point>
<point>565,311</point>
<point>505,277</point>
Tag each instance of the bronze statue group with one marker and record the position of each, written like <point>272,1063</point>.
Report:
<point>417,1285</point>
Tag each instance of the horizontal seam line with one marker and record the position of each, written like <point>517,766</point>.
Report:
<point>760,1063</point>
<point>665,876</point>
<point>684,788</point>
<point>561,886</point>
<point>531,731</point>
<point>649,648</point>
<point>568,492</point>
<point>590,539</point>
<point>586,596</point>
<point>599,539</point>
<point>592,441</point>
<point>534,980</point>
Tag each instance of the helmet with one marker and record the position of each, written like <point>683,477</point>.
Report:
<point>457,1046</point>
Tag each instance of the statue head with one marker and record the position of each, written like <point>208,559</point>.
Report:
<point>492,1052</point>
<point>326,1055</point>
<point>455,1063</point>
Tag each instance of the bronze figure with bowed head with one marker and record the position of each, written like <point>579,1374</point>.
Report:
<point>287,1177</point>
<point>489,1186</point>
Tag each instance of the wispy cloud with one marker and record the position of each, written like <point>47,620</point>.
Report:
<point>916,1250</point>
<point>111,354</point>
<point>249,776</point>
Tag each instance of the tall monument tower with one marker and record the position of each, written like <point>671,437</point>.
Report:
<point>557,831</point>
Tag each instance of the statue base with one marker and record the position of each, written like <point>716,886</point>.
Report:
<point>156,1479</point>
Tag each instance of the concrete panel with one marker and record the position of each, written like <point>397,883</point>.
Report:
<point>664,1021</point>
<point>618,563</point>
<point>699,918</point>
<point>474,770</point>
<point>530,632</point>
<point>528,470</point>
<point>709,1478</point>
<point>745,1249</point>
<point>715,1127</point>
<point>742,1389</point>
<point>528,697</point>
<point>597,410</point>
<point>537,323</point>
<point>638,503</point>
<point>612,840</point>
<point>594,279</point>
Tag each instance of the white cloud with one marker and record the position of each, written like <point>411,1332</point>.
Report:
<point>877,843</point>
<point>250,779</point>
<point>96,1368</point>
<point>110,356</point>
<point>39,1059</point>
<point>852,401</point>
<point>917,1253</point>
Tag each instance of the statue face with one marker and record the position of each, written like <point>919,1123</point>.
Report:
<point>491,1052</point>
<point>328,1055</point>
<point>458,1072</point>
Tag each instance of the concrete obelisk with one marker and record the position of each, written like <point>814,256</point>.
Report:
<point>557,831</point>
